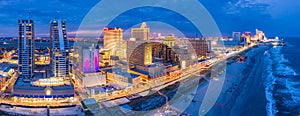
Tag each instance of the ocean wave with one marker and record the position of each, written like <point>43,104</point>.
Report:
<point>281,59</point>
<point>269,87</point>
<point>277,56</point>
<point>280,82</point>
<point>284,70</point>
<point>280,63</point>
<point>295,92</point>
<point>271,105</point>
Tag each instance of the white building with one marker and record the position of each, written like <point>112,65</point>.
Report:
<point>93,80</point>
<point>86,68</point>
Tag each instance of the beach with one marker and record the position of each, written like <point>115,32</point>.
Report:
<point>266,84</point>
<point>251,99</point>
<point>243,91</point>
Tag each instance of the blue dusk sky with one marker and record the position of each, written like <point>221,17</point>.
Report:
<point>274,17</point>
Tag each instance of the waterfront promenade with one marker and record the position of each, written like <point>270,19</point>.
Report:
<point>161,82</point>
<point>154,85</point>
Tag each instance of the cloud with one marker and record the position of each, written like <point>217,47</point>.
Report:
<point>247,5</point>
<point>230,15</point>
<point>42,12</point>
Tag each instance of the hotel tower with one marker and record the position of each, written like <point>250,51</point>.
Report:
<point>143,34</point>
<point>59,48</point>
<point>113,38</point>
<point>26,49</point>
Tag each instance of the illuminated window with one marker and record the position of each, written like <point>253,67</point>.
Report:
<point>48,92</point>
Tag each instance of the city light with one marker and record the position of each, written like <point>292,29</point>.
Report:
<point>125,66</point>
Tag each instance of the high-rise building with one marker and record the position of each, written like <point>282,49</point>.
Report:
<point>26,49</point>
<point>243,39</point>
<point>236,36</point>
<point>139,51</point>
<point>142,33</point>
<point>88,58</point>
<point>248,37</point>
<point>86,65</point>
<point>148,53</point>
<point>169,40</point>
<point>113,38</point>
<point>261,35</point>
<point>200,46</point>
<point>163,51</point>
<point>60,48</point>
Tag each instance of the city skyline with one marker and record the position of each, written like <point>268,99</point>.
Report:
<point>264,15</point>
<point>150,57</point>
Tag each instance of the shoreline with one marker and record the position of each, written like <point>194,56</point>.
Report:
<point>201,84</point>
<point>247,86</point>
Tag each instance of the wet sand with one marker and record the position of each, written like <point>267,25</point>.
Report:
<point>243,93</point>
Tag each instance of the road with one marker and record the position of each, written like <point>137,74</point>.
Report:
<point>154,84</point>
<point>158,84</point>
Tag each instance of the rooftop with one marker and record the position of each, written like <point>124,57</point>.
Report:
<point>4,66</point>
<point>21,82</point>
<point>122,73</point>
<point>89,101</point>
<point>140,71</point>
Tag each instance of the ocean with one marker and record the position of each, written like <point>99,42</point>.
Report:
<point>268,83</point>
<point>273,82</point>
<point>282,84</point>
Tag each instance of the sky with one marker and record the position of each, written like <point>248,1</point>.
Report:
<point>274,17</point>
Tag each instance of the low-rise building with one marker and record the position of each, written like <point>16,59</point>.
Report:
<point>92,79</point>
<point>23,89</point>
<point>122,77</point>
<point>6,71</point>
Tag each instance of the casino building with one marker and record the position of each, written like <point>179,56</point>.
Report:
<point>86,68</point>
<point>30,86</point>
<point>37,90</point>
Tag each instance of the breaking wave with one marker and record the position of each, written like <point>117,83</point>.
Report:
<point>279,83</point>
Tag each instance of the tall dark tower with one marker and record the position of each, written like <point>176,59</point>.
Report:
<point>26,49</point>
